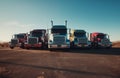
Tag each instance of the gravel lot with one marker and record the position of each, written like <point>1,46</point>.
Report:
<point>77,63</point>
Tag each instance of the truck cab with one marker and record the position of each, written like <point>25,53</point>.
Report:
<point>79,39</point>
<point>18,40</point>
<point>100,40</point>
<point>58,37</point>
<point>36,39</point>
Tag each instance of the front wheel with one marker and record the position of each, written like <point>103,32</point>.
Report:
<point>109,47</point>
<point>22,46</point>
<point>51,50</point>
<point>11,47</point>
<point>72,45</point>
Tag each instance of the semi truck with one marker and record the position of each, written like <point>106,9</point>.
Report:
<point>58,37</point>
<point>37,39</point>
<point>79,39</point>
<point>18,40</point>
<point>99,39</point>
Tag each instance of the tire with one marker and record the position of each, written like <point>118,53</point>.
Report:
<point>11,47</point>
<point>22,46</point>
<point>109,47</point>
<point>50,49</point>
<point>72,45</point>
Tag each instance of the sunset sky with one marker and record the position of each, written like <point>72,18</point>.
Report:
<point>19,16</point>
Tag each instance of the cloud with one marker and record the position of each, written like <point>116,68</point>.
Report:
<point>15,24</point>
<point>8,28</point>
<point>10,23</point>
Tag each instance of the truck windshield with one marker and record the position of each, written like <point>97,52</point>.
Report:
<point>77,34</point>
<point>20,36</point>
<point>36,34</point>
<point>59,31</point>
<point>101,36</point>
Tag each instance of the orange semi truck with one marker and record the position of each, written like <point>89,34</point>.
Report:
<point>100,40</point>
<point>37,39</point>
<point>79,39</point>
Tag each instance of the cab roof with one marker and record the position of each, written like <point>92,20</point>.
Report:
<point>59,27</point>
<point>80,31</point>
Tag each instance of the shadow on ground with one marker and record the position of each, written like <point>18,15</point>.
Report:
<point>57,69</point>
<point>104,51</point>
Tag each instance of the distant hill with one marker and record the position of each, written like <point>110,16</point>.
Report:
<point>4,44</point>
<point>116,44</point>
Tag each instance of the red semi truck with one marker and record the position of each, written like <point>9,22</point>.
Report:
<point>37,39</point>
<point>18,40</point>
<point>100,40</point>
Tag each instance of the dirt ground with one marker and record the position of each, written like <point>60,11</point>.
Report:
<point>77,63</point>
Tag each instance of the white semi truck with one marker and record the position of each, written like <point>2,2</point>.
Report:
<point>58,37</point>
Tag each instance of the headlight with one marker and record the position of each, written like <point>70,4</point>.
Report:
<point>25,42</point>
<point>110,43</point>
<point>89,43</point>
<point>99,43</point>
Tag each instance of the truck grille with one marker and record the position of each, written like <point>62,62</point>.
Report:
<point>14,41</point>
<point>59,40</point>
<point>105,41</point>
<point>82,40</point>
<point>32,40</point>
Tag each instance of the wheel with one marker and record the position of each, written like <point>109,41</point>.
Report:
<point>50,49</point>
<point>109,47</point>
<point>72,45</point>
<point>22,46</point>
<point>11,47</point>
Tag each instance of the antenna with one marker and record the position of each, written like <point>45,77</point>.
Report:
<point>52,23</point>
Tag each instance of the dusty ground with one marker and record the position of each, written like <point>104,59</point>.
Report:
<point>116,44</point>
<point>93,63</point>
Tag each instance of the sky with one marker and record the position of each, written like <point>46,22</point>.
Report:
<point>21,16</point>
